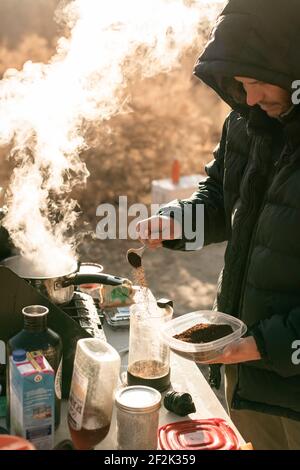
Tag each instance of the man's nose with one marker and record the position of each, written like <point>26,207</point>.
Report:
<point>254,97</point>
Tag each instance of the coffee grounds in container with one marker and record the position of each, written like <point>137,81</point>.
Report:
<point>151,373</point>
<point>204,333</point>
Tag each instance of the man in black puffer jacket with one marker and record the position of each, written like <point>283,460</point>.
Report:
<point>251,199</point>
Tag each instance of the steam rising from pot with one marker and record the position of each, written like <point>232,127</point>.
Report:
<point>45,109</point>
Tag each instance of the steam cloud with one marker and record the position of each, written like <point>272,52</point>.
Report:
<point>45,108</point>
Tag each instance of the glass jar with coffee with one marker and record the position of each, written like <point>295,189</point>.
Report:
<point>149,357</point>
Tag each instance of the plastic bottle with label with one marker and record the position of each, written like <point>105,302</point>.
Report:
<point>34,337</point>
<point>95,375</point>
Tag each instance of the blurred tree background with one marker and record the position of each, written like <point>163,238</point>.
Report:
<point>20,18</point>
<point>173,115</point>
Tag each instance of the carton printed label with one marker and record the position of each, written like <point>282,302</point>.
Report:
<point>32,400</point>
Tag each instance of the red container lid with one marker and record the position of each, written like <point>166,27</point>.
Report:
<point>202,434</point>
<point>8,442</point>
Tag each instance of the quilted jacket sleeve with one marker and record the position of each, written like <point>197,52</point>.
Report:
<point>278,340</point>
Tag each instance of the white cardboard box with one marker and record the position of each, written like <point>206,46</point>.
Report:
<point>164,191</point>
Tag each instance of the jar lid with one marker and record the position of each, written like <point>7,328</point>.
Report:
<point>138,399</point>
<point>202,434</point>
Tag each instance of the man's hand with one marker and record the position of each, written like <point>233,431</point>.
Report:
<point>243,350</point>
<point>153,231</point>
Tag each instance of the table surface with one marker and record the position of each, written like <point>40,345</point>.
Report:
<point>185,377</point>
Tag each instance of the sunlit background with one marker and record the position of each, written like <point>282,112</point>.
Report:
<point>96,100</point>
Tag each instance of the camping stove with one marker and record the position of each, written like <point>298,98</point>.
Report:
<point>86,311</point>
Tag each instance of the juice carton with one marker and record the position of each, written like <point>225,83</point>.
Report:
<point>32,408</point>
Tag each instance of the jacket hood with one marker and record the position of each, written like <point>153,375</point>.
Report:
<point>258,39</point>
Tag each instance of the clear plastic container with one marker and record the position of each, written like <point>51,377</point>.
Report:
<point>201,352</point>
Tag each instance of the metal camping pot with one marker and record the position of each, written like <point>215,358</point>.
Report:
<point>60,288</point>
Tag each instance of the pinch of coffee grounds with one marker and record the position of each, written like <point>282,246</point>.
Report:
<point>204,333</point>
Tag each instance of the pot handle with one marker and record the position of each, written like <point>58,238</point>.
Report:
<point>99,278</point>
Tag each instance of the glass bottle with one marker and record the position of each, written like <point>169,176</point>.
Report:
<point>36,336</point>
